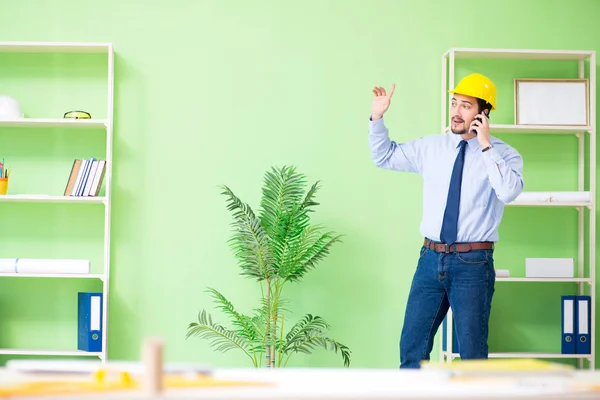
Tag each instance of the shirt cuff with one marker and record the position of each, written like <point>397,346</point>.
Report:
<point>493,155</point>
<point>377,126</point>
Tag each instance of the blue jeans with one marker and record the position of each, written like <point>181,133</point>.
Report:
<point>464,281</point>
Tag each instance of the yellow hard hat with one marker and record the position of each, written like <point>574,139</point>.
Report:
<point>479,86</point>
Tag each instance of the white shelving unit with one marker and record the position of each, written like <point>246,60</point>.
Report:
<point>105,125</point>
<point>584,199</point>
<point>54,123</point>
<point>33,198</point>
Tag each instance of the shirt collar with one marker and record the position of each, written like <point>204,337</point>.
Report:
<point>472,143</point>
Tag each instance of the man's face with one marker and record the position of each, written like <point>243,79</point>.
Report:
<point>463,110</point>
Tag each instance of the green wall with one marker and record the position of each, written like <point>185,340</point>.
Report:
<point>217,92</point>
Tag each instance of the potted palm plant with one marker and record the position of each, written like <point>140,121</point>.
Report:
<point>275,248</point>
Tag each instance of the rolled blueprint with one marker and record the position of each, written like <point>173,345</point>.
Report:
<point>44,266</point>
<point>552,197</point>
<point>530,197</point>
<point>570,196</point>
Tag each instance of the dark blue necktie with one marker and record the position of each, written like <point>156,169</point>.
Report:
<point>450,222</point>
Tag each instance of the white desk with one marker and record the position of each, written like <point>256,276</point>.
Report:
<point>360,384</point>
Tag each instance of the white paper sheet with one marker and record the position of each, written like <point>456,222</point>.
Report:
<point>565,103</point>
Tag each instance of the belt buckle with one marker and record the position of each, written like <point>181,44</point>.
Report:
<point>446,248</point>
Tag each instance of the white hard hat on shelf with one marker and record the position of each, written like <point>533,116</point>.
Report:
<point>9,108</point>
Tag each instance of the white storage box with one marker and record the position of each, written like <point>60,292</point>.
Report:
<point>549,267</point>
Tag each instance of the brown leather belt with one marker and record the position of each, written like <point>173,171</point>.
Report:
<point>457,247</point>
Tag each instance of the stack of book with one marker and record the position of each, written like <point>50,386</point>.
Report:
<point>86,177</point>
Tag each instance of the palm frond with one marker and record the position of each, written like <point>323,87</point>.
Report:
<point>301,247</point>
<point>285,217</point>
<point>305,326</point>
<point>276,305</point>
<point>312,249</point>
<point>221,338</point>
<point>308,334</point>
<point>287,237</point>
<point>251,241</point>
<point>308,199</point>
<point>282,213</point>
<point>331,345</point>
<point>259,325</point>
<point>282,189</point>
<point>245,328</point>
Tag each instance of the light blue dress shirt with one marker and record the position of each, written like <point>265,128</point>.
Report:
<point>490,179</point>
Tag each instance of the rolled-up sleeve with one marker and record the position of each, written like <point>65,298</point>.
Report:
<point>505,171</point>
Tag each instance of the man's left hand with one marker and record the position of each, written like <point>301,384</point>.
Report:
<point>483,130</point>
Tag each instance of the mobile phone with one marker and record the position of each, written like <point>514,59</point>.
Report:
<point>480,120</point>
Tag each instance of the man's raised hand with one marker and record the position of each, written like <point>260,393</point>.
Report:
<point>381,101</point>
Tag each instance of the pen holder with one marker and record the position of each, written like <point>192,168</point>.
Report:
<point>3,185</point>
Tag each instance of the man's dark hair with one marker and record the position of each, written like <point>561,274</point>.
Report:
<point>483,105</point>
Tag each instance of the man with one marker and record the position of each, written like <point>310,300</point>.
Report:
<point>468,176</point>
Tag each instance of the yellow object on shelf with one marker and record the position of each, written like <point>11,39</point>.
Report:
<point>178,381</point>
<point>59,388</point>
<point>3,185</point>
<point>501,367</point>
<point>103,381</point>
